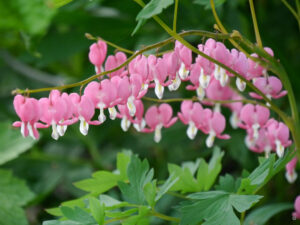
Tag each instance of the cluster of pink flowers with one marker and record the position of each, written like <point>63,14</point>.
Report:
<point>121,91</point>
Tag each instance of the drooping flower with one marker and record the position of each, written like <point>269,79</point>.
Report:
<point>29,113</point>
<point>53,111</point>
<point>271,86</point>
<point>240,65</point>
<point>113,61</point>
<point>291,174</point>
<point>213,124</point>
<point>185,56</point>
<point>97,55</point>
<point>296,213</point>
<point>278,134</point>
<point>254,117</point>
<point>84,110</point>
<point>158,73</point>
<point>191,115</point>
<point>157,118</point>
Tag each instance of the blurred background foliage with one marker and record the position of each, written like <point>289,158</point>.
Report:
<point>42,45</point>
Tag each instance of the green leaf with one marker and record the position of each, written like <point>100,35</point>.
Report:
<point>59,3</point>
<point>154,7</point>
<point>140,23</point>
<point>58,222</point>
<point>214,167</point>
<point>215,207</point>
<point>12,143</point>
<point>122,214</point>
<point>206,173</point>
<point>150,193</point>
<point>262,214</point>
<point>97,210</point>
<point>78,215</point>
<point>166,186</point>
<point>123,160</point>
<point>140,219</point>
<point>13,195</point>
<point>186,181</point>
<point>139,175</point>
<point>206,3</point>
<point>228,183</point>
<point>101,182</point>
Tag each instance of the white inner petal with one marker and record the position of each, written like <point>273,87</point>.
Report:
<point>204,79</point>
<point>112,113</point>
<point>31,131</point>
<point>130,105</point>
<point>255,128</point>
<point>192,130</point>
<point>183,72</point>
<point>241,85</point>
<point>223,79</point>
<point>279,148</point>
<point>55,134</point>
<point>210,139</point>
<point>234,120</point>
<point>84,126</point>
<point>101,116</point>
<point>157,133</point>
<point>200,93</point>
<point>159,89</point>
<point>175,83</point>
<point>23,129</point>
<point>291,177</point>
<point>125,124</point>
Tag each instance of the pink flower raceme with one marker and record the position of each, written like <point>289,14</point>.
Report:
<point>191,115</point>
<point>113,62</point>
<point>291,174</point>
<point>278,134</point>
<point>254,117</point>
<point>29,112</point>
<point>270,86</point>
<point>157,118</point>
<point>296,214</point>
<point>97,55</point>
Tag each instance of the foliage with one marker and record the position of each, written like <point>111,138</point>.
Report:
<point>14,194</point>
<point>140,194</point>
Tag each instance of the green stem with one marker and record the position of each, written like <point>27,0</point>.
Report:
<point>91,37</point>
<point>170,100</point>
<point>291,9</point>
<point>175,15</point>
<point>256,30</point>
<point>165,217</point>
<point>242,218</point>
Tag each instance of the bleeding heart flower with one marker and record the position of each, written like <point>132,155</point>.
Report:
<point>97,55</point>
<point>113,62</point>
<point>157,118</point>
<point>296,214</point>
<point>291,174</point>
